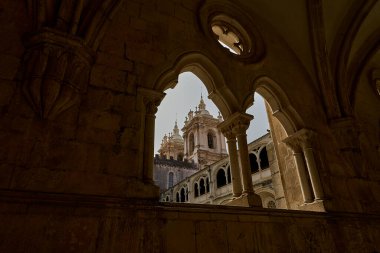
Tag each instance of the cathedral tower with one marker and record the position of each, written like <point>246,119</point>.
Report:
<point>204,143</point>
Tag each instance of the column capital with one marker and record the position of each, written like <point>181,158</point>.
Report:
<point>151,99</point>
<point>236,123</point>
<point>301,139</point>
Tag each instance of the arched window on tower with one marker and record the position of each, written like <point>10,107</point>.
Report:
<point>191,144</point>
<point>196,193</point>
<point>221,178</point>
<point>180,157</point>
<point>183,198</point>
<point>264,162</point>
<point>202,188</point>
<point>253,163</point>
<point>177,197</point>
<point>171,179</point>
<point>207,185</point>
<point>211,140</point>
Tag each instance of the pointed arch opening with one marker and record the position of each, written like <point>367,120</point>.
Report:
<point>276,157</point>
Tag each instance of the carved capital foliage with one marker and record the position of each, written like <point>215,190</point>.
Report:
<point>302,139</point>
<point>56,72</point>
<point>293,143</point>
<point>307,138</point>
<point>151,99</point>
<point>227,131</point>
<point>235,124</point>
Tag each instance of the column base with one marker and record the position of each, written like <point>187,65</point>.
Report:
<point>246,199</point>
<point>316,206</point>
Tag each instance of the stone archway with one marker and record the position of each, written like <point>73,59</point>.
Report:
<point>208,73</point>
<point>293,146</point>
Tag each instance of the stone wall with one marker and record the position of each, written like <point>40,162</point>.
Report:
<point>55,223</point>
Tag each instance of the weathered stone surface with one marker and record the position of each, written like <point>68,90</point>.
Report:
<point>101,224</point>
<point>315,71</point>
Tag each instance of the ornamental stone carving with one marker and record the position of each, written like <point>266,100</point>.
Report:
<point>150,100</point>
<point>59,51</point>
<point>302,139</point>
<point>235,124</point>
<point>56,72</point>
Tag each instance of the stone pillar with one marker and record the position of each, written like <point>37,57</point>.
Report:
<point>226,129</point>
<point>240,131</point>
<point>238,124</point>
<point>301,168</point>
<point>307,138</point>
<point>234,165</point>
<point>301,144</point>
<point>151,100</point>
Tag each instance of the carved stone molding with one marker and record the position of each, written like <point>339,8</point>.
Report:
<point>60,51</point>
<point>150,99</point>
<point>56,72</point>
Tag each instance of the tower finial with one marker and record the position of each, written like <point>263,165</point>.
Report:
<point>202,105</point>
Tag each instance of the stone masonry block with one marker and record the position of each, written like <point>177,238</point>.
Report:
<point>114,62</point>
<point>113,79</point>
<point>96,136</point>
<point>184,14</point>
<point>6,91</point>
<point>8,66</point>
<point>100,120</point>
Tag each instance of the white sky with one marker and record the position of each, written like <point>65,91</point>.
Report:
<point>186,95</point>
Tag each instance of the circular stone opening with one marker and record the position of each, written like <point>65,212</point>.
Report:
<point>228,39</point>
<point>231,35</point>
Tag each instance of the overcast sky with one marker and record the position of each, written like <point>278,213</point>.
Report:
<point>186,95</point>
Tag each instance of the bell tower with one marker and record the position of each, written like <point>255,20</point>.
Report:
<point>204,142</point>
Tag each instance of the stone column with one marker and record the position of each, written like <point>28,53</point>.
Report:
<point>234,166</point>
<point>240,131</point>
<point>234,163</point>
<point>307,138</point>
<point>151,100</point>
<point>238,123</point>
<point>302,173</point>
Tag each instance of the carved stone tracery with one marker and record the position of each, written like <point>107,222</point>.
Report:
<point>56,72</point>
<point>60,51</point>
